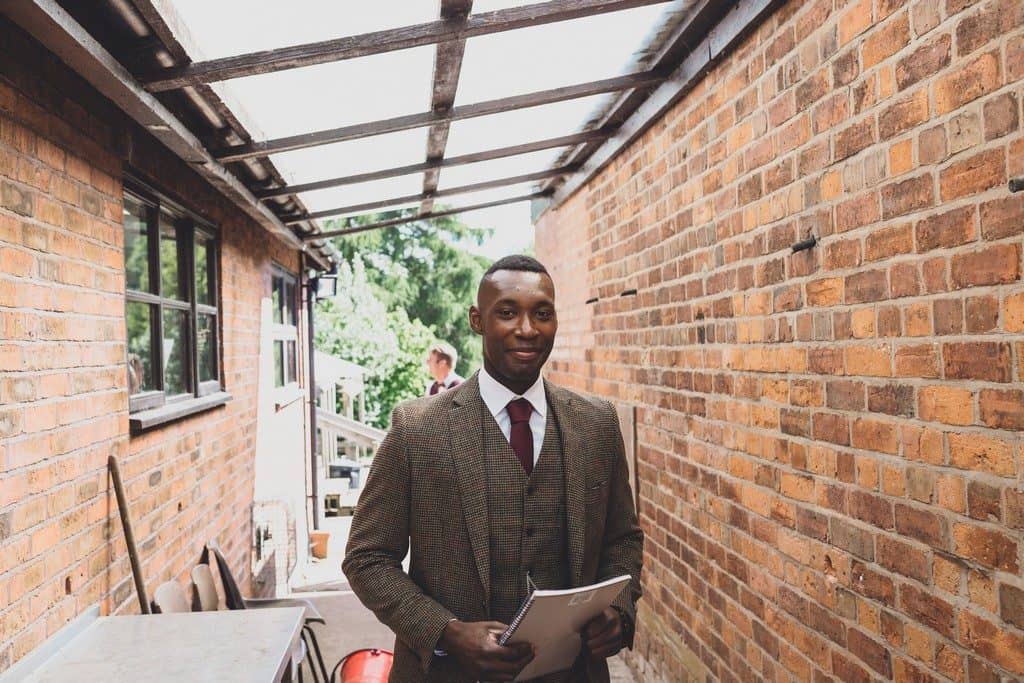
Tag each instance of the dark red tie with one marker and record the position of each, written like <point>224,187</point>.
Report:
<point>435,387</point>
<point>520,436</point>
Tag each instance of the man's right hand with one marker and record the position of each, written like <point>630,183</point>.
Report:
<point>475,645</point>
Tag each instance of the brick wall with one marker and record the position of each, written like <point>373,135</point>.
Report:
<point>63,378</point>
<point>829,442</point>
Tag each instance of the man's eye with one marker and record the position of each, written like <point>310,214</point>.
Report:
<point>545,315</point>
<point>506,313</point>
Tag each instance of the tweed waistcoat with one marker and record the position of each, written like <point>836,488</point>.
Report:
<point>526,517</point>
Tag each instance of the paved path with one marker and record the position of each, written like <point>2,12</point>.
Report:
<point>350,626</point>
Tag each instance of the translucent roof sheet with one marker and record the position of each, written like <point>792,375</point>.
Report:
<point>359,193</point>
<point>223,28</point>
<point>520,125</point>
<point>498,168</point>
<point>552,55</point>
<point>366,89</point>
<point>339,93</point>
<point>353,156</point>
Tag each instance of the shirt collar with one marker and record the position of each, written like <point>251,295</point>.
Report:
<point>449,378</point>
<point>496,395</point>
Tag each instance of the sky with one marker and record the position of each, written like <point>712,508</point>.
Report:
<point>397,83</point>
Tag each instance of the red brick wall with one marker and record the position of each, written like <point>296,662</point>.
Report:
<point>63,378</point>
<point>829,443</point>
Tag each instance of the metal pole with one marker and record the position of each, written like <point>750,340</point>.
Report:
<point>314,488</point>
<point>129,536</point>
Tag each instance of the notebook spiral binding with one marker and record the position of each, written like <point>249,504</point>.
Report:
<point>516,621</point>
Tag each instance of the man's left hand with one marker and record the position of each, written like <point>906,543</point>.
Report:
<point>603,634</point>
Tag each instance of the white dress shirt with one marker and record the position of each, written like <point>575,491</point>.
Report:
<point>497,396</point>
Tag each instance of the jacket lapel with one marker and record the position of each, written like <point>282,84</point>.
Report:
<point>565,407</point>
<point>467,453</point>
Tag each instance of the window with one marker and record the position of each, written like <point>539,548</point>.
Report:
<point>171,303</point>
<point>285,329</point>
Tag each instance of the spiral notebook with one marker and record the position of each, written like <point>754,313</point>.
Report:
<point>552,620</point>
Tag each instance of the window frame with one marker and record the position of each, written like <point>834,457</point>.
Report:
<point>162,211</point>
<point>285,331</point>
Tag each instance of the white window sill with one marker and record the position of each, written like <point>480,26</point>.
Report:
<point>154,417</point>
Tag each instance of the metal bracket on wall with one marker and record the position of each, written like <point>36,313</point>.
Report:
<point>805,244</point>
<point>1017,184</point>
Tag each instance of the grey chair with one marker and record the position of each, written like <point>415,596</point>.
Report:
<point>233,600</point>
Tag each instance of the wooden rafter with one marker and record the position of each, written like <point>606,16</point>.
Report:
<point>447,66</point>
<point>473,157</point>
<point>421,217</point>
<point>644,79</point>
<point>270,61</point>
<point>449,192</point>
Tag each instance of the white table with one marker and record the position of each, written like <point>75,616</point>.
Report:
<point>250,646</point>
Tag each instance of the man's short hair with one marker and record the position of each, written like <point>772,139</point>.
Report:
<point>517,262</point>
<point>446,352</point>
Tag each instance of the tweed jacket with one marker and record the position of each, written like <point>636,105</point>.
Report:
<point>426,494</point>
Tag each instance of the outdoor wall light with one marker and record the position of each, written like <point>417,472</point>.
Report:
<point>325,285</point>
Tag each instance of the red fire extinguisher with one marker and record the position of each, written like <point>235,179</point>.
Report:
<point>364,666</point>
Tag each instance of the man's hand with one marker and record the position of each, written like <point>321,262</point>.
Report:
<point>602,635</point>
<point>475,645</point>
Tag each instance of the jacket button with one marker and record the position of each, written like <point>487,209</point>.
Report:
<point>529,531</point>
<point>529,490</point>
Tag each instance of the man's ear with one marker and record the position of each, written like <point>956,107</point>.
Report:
<point>475,322</point>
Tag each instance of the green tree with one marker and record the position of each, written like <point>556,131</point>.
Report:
<point>422,268</point>
<point>356,325</point>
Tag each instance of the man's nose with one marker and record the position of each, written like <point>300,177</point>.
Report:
<point>526,328</point>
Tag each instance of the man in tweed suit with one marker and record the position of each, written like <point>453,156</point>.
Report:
<point>502,482</point>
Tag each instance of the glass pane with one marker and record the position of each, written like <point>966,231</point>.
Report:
<point>282,24</point>
<point>289,302</point>
<point>521,125</point>
<point>136,244</point>
<point>290,366</point>
<point>554,55</point>
<point>206,345</point>
<point>176,366</point>
<point>277,296</point>
<point>356,194</point>
<point>171,282</point>
<point>204,264</point>
<point>140,319</point>
<point>457,176</point>
<point>278,363</point>
<point>352,156</point>
<point>354,95</point>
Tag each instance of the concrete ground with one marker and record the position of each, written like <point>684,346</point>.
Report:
<point>350,626</point>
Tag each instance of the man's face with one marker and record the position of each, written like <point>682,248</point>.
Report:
<point>437,367</point>
<point>515,314</point>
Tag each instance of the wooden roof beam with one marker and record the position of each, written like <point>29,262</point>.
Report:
<point>644,79</point>
<point>422,217</point>
<point>377,42</point>
<point>447,65</point>
<point>461,160</point>
<point>451,191</point>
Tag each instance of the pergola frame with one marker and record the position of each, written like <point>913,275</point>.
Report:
<point>454,25</point>
<point>679,56</point>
